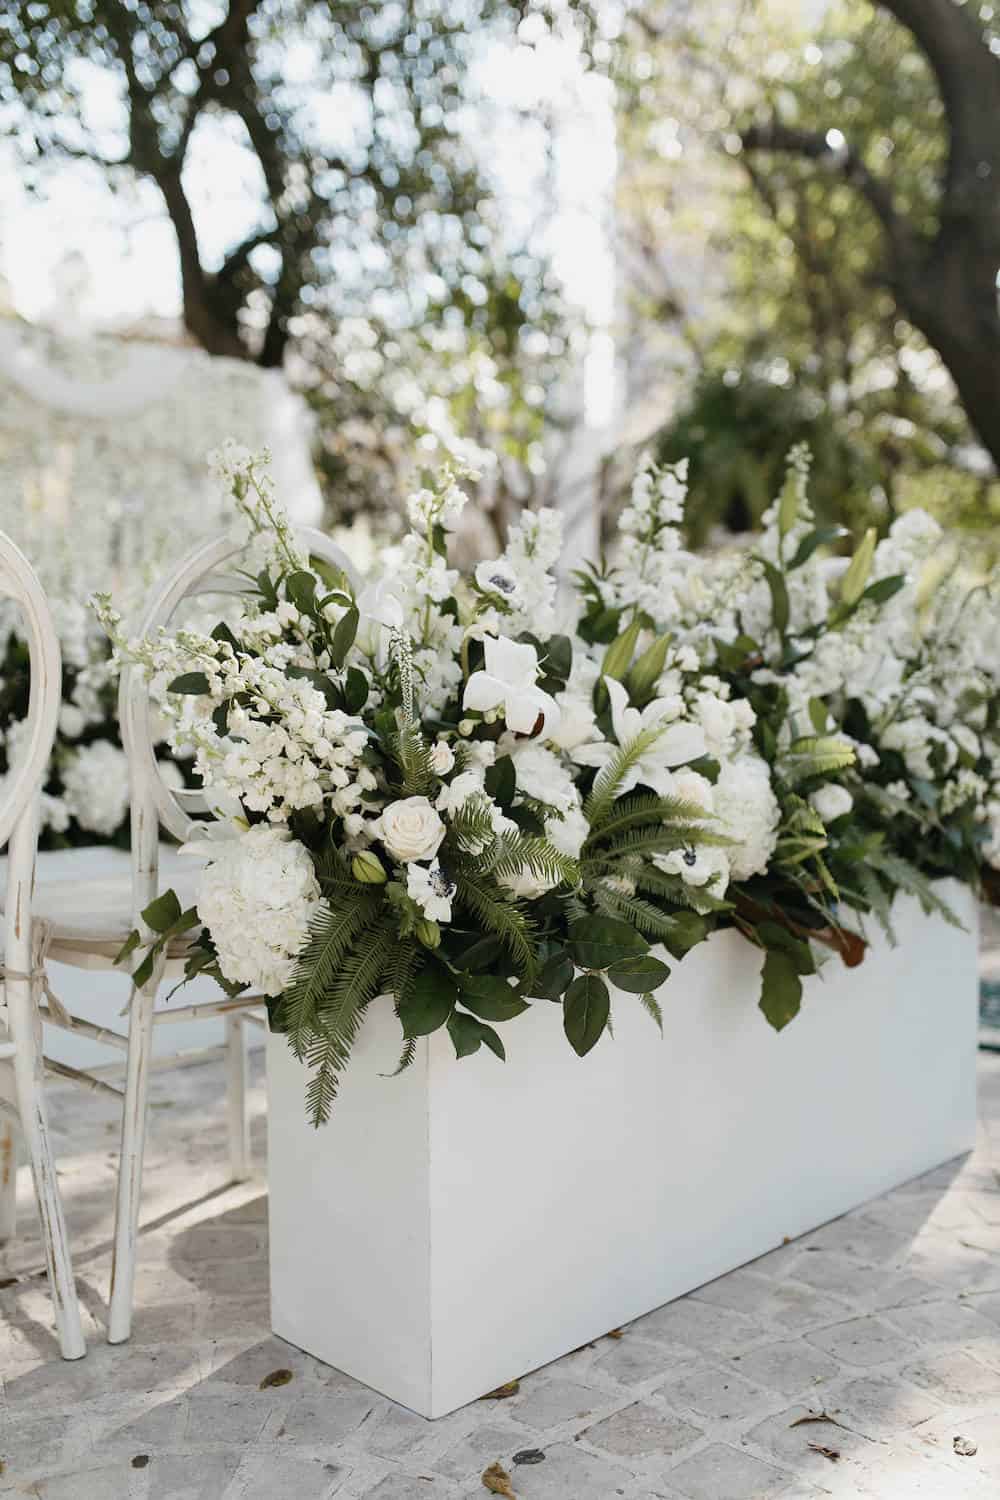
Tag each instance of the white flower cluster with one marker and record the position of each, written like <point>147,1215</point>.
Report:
<point>257,895</point>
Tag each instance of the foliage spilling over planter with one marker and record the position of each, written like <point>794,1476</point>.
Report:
<point>471,793</point>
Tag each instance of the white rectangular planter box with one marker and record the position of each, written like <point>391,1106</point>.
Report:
<point>458,1226</point>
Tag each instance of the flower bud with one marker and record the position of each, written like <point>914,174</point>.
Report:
<point>466,727</point>
<point>428,932</point>
<point>367,868</point>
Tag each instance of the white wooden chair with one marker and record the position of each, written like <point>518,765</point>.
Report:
<point>211,569</point>
<point>21,1061</point>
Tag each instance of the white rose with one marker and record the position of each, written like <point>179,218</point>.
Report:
<point>442,758</point>
<point>831,802</point>
<point>411,829</point>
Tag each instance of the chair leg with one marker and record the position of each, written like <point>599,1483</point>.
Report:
<point>8,1180</point>
<point>134,1112</point>
<point>236,1098</point>
<point>28,1076</point>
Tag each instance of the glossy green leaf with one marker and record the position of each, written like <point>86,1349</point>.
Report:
<point>586,1008</point>
<point>596,942</point>
<point>781,989</point>
<point>639,975</point>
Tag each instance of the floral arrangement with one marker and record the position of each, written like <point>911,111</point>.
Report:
<point>469,793</point>
<point>85,799</point>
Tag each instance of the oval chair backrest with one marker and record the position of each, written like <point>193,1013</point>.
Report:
<point>24,779</point>
<point>202,573</point>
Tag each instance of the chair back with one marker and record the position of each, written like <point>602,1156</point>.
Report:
<point>24,780</point>
<point>212,568</point>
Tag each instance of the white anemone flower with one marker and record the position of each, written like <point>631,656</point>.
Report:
<point>508,683</point>
<point>675,745</point>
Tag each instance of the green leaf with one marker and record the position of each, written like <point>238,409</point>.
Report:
<point>501,781</point>
<point>775,937</point>
<point>189,682</point>
<point>558,659</point>
<point>344,635</point>
<point>781,989</point>
<point>129,946</point>
<point>780,609</point>
<point>222,632</point>
<point>639,975</point>
<point>355,690</point>
<point>490,998</point>
<point>144,973</point>
<point>788,503</point>
<point>162,913</point>
<point>852,584</point>
<point>429,1002</point>
<point>647,670</point>
<point>821,537</point>
<point>596,942</point>
<point>687,930</point>
<point>468,1034</point>
<point>300,590</point>
<point>883,589</point>
<point>586,1008</point>
<point>464,1033</point>
<point>818,715</point>
<point>555,976</point>
<point>619,654</point>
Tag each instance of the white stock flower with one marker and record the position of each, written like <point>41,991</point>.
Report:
<point>411,829</point>
<point>431,889</point>
<point>567,834</point>
<point>257,896</point>
<point>831,801</point>
<point>508,683</point>
<point>96,787</point>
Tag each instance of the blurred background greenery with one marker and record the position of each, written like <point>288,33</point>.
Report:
<point>562,231</point>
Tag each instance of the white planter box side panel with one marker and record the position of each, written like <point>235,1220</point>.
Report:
<point>453,1228</point>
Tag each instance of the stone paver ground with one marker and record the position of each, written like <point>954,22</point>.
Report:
<point>844,1364</point>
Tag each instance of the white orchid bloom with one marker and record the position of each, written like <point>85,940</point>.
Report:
<point>508,683</point>
<point>379,603</point>
<point>675,745</point>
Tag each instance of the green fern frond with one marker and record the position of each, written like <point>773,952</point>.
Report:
<point>876,898</point>
<point>632,909</point>
<point>340,1015</point>
<point>907,877</point>
<point>472,826</point>
<point>413,756</point>
<point>332,932</point>
<point>513,853</point>
<point>406,1058</point>
<point>641,808</point>
<point>499,915</point>
<point>652,1005</point>
<point>649,841</point>
<point>814,755</point>
<point>671,888</point>
<point>609,778</point>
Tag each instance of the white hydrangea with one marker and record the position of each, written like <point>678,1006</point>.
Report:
<point>748,812</point>
<point>257,897</point>
<point>96,787</point>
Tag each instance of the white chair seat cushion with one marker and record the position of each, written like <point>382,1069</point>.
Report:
<point>86,894</point>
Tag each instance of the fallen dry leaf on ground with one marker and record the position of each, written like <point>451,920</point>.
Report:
<point>830,1453</point>
<point>276,1377</point>
<point>964,1447</point>
<point>614,1333</point>
<point>816,1416</point>
<point>502,1392</point>
<point>497,1481</point>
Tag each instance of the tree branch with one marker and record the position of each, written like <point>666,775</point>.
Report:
<point>841,158</point>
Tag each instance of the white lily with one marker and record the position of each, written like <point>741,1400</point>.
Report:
<point>508,682</point>
<point>675,745</point>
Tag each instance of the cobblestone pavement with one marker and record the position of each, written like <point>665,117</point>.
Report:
<point>882,1329</point>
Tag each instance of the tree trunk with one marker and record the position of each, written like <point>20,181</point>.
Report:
<point>216,334</point>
